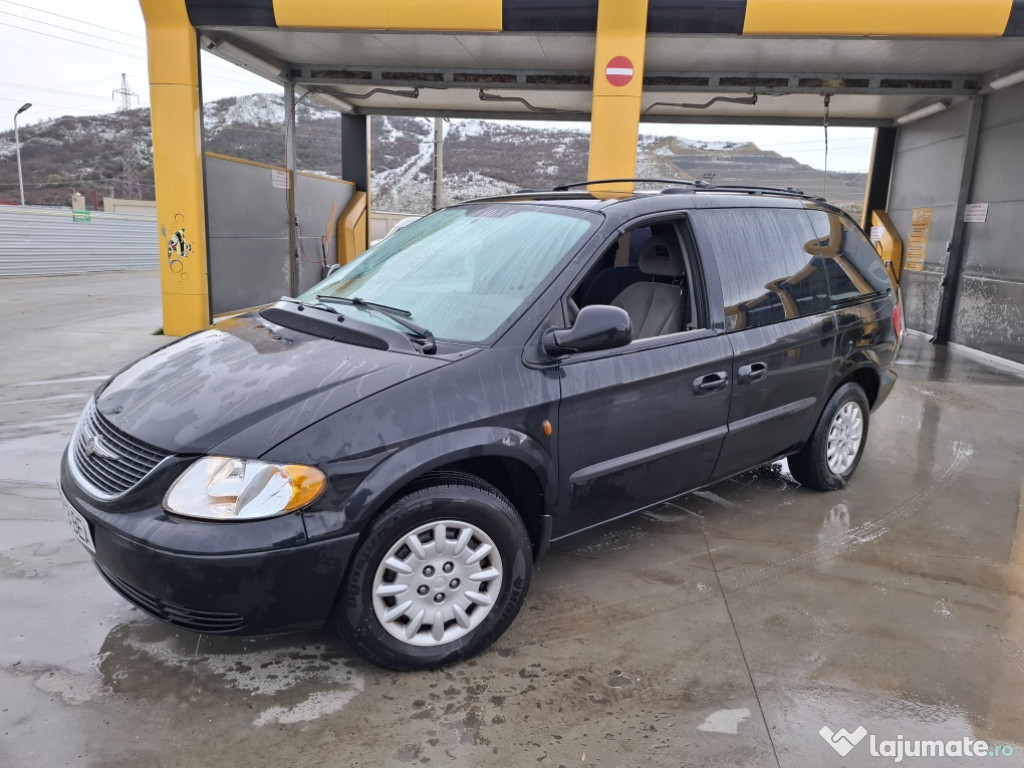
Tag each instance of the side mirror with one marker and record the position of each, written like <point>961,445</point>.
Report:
<point>332,269</point>
<point>599,326</point>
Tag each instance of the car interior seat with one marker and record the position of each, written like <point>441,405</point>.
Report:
<point>609,283</point>
<point>657,308</point>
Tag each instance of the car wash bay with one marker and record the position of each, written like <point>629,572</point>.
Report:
<point>725,628</point>
<point>945,91</point>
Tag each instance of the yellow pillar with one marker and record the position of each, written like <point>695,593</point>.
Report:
<point>618,90</point>
<point>353,231</point>
<point>177,161</point>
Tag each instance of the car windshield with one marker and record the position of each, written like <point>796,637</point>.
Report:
<point>460,272</point>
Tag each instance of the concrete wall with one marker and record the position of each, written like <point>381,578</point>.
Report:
<point>247,215</point>
<point>382,222</point>
<point>926,173</point>
<point>990,307</point>
<point>136,207</point>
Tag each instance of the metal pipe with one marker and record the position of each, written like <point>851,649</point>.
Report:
<point>289,162</point>
<point>648,117</point>
<point>748,100</point>
<point>438,162</point>
<point>17,149</point>
<point>485,96</point>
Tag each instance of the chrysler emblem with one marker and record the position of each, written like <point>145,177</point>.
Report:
<point>93,446</point>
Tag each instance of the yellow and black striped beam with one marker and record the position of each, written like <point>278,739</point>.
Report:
<point>817,18</point>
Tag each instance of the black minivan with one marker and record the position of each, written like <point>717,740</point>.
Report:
<point>393,449</point>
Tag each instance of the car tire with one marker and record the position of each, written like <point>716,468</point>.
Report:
<point>407,605</point>
<point>830,457</point>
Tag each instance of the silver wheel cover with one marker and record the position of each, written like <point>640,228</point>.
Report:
<point>437,583</point>
<point>844,438</point>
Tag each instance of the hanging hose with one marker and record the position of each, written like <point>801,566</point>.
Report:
<point>302,246</point>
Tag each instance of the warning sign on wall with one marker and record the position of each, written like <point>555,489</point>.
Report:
<point>279,179</point>
<point>976,213</point>
<point>917,248</point>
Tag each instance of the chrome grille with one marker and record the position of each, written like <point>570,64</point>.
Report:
<point>109,460</point>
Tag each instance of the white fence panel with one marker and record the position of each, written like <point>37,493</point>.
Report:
<point>48,241</point>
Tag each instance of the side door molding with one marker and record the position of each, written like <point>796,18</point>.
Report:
<point>758,419</point>
<point>648,454</point>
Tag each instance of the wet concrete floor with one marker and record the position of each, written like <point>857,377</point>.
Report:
<point>724,629</point>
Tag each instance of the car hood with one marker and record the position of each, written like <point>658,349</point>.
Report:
<point>245,377</point>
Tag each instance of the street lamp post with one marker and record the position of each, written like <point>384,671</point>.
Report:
<point>17,145</point>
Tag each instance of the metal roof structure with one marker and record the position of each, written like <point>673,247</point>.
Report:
<point>615,63</point>
<point>697,67</point>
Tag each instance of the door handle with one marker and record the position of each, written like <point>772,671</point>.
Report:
<point>710,383</point>
<point>751,373</point>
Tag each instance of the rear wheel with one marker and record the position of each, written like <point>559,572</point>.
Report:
<point>441,575</point>
<point>831,456</point>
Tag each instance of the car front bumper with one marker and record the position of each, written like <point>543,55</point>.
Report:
<point>255,593</point>
<point>256,582</point>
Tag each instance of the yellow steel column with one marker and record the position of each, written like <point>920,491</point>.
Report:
<point>618,89</point>
<point>177,161</point>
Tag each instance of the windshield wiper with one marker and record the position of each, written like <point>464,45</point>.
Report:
<point>396,314</point>
<point>356,301</point>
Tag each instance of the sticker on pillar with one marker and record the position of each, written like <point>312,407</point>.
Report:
<point>917,248</point>
<point>976,213</point>
<point>619,71</point>
<point>178,248</point>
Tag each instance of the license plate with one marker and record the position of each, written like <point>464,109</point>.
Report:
<point>79,526</point>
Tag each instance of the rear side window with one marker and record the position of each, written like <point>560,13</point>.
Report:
<point>854,267</point>
<point>767,259</point>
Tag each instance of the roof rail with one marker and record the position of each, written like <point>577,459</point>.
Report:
<point>674,182</point>
<point>697,186</point>
<point>755,190</point>
<point>528,194</point>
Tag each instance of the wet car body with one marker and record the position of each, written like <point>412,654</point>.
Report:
<point>627,430</point>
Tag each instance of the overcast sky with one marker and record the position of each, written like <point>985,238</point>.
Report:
<point>67,57</point>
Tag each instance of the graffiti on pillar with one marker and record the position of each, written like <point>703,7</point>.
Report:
<point>178,248</point>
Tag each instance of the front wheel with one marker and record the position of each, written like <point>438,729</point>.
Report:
<point>440,575</point>
<point>831,456</point>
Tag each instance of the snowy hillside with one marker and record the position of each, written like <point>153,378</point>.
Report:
<point>85,154</point>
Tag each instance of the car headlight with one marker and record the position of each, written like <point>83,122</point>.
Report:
<point>218,488</point>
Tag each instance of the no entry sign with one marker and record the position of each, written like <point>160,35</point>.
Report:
<point>619,71</point>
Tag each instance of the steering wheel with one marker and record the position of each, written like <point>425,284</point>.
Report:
<point>574,310</point>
